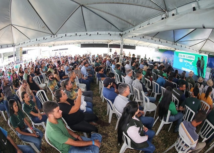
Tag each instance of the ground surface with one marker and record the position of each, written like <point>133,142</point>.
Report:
<point>109,145</point>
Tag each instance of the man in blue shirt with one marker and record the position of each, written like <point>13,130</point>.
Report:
<point>8,145</point>
<point>85,73</point>
<point>67,68</point>
<point>141,65</point>
<point>109,91</point>
<point>161,81</point>
<point>113,65</point>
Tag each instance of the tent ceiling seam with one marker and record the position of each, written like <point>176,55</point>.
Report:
<point>158,5</point>
<point>40,17</point>
<point>206,40</point>
<point>185,35</point>
<point>191,40</point>
<point>123,4</point>
<point>31,29</point>
<point>83,19</point>
<point>165,5</point>
<point>111,15</point>
<point>155,34</point>
<point>67,19</point>
<point>103,18</point>
<point>210,40</point>
<point>97,15</point>
<point>21,32</point>
<point>5,27</point>
<point>198,43</point>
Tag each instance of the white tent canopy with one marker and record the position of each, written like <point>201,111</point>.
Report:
<point>170,24</point>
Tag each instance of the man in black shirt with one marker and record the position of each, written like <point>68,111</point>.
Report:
<point>169,83</point>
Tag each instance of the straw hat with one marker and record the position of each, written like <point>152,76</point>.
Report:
<point>191,73</point>
<point>145,68</point>
<point>210,83</point>
<point>200,80</point>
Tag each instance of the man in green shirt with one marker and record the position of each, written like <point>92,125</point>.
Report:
<point>65,140</point>
<point>25,74</point>
<point>118,71</point>
<point>192,102</point>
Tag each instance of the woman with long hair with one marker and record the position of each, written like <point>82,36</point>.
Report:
<point>31,109</point>
<point>206,97</point>
<point>33,85</point>
<point>21,73</point>
<point>134,129</point>
<point>23,128</point>
<point>16,83</point>
<point>167,104</point>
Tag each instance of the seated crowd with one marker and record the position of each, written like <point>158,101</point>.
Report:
<point>130,86</point>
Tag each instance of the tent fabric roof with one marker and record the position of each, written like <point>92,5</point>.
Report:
<point>24,20</point>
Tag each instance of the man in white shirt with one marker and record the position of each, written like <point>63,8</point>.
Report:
<point>121,100</point>
<point>127,66</point>
<point>128,79</point>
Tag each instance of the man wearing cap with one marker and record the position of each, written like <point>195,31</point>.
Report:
<point>109,90</point>
<point>128,79</point>
<point>190,78</point>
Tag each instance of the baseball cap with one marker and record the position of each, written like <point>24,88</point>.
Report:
<point>164,74</point>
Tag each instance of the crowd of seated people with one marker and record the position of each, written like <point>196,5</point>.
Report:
<point>74,105</point>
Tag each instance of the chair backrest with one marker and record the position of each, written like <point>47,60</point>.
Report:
<point>175,84</point>
<point>154,76</point>
<point>77,80</point>
<point>162,90</point>
<point>205,106</point>
<point>207,130</point>
<point>26,113</point>
<point>148,82</point>
<point>136,94</point>
<point>42,96</point>
<point>175,100</point>
<point>155,87</point>
<point>117,78</point>
<point>51,93</point>
<point>127,140</point>
<point>168,115</point>
<point>123,79</point>
<point>189,86</point>
<point>66,123</point>
<point>37,80</point>
<point>8,122</point>
<point>189,114</point>
<point>109,103</point>
<point>44,77</point>
<point>181,145</point>
<point>118,114</point>
<point>46,138</point>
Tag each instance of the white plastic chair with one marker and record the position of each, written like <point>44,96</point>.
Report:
<point>118,114</point>
<point>175,84</point>
<point>136,95</point>
<point>110,109</point>
<point>181,146</point>
<point>2,113</point>
<point>37,124</point>
<point>162,91</point>
<point>163,122</point>
<point>46,138</point>
<point>154,76</point>
<point>96,77</point>
<point>82,86</point>
<point>126,143</point>
<point>51,93</point>
<point>175,100</point>
<point>131,91</point>
<point>205,131</point>
<point>38,81</point>
<point>123,79</point>
<point>45,79</point>
<point>117,78</point>
<point>25,142</point>
<point>211,147</point>
<point>148,106</point>
<point>188,112</point>
<point>101,90</point>
<point>42,96</point>
<point>148,83</point>
<point>155,88</point>
<point>205,106</point>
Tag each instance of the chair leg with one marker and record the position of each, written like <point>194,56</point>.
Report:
<point>159,129</point>
<point>110,116</point>
<point>34,147</point>
<point>123,148</point>
<point>117,124</point>
<point>155,113</point>
<point>211,147</point>
<point>2,113</point>
<point>155,121</point>
<point>43,124</point>
<point>169,148</point>
<point>170,126</point>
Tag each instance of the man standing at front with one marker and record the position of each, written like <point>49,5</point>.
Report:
<point>199,67</point>
<point>202,66</point>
